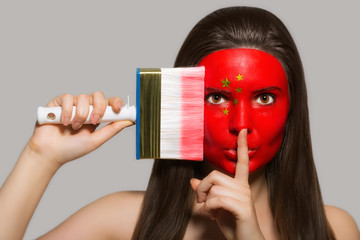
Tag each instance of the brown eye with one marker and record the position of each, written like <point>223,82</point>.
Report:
<point>265,99</point>
<point>215,98</point>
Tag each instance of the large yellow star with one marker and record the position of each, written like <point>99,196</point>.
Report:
<point>239,77</point>
<point>225,83</point>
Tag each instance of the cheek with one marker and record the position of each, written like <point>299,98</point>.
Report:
<point>217,136</point>
<point>270,129</point>
<point>269,134</point>
<point>270,123</point>
<point>216,126</point>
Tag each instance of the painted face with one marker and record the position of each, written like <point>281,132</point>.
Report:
<point>244,88</point>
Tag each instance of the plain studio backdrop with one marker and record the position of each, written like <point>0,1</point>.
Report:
<point>49,48</point>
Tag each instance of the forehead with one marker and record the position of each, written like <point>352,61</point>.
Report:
<point>252,65</point>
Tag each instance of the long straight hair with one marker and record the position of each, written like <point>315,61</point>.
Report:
<point>294,191</point>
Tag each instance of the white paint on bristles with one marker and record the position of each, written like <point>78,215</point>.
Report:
<point>182,110</point>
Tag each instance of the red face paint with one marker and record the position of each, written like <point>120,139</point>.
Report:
<point>244,88</point>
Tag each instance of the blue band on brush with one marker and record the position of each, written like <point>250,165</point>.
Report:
<point>137,113</point>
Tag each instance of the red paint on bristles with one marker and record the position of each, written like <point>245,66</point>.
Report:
<point>192,116</point>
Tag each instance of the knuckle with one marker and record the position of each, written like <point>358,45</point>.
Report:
<point>214,173</point>
<point>214,191</point>
<point>83,97</point>
<point>98,94</point>
<point>222,200</point>
<point>52,103</point>
<point>99,102</point>
<point>117,99</point>
<point>67,96</point>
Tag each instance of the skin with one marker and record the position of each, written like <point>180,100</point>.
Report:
<point>114,216</point>
<point>244,89</point>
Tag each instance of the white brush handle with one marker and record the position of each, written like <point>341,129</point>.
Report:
<point>51,115</point>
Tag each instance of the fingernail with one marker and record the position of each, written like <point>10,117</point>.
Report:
<point>244,132</point>
<point>76,125</point>
<point>119,106</point>
<point>95,118</point>
<point>66,121</point>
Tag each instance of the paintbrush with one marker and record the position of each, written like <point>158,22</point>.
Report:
<point>169,113</point>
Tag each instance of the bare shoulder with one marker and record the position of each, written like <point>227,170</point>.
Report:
<point>342,223</point>
<point>123,209</point>
<point>111,217</point>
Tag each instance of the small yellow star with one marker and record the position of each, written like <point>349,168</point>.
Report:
<point>236,102</point>
<point>238,90</point>
<point>239,77</point>
<point>225,83</point>
<point>225,111</point>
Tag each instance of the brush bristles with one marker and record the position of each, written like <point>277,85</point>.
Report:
<point>193,114</point>
<point>170,126</point>
<point>181,117</point>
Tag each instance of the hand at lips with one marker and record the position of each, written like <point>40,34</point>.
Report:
<point>227,199</point>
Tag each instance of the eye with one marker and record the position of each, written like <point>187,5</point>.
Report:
<point>216,98</point>
<point>265,99</point>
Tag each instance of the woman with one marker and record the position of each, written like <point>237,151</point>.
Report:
<point>217,198</point>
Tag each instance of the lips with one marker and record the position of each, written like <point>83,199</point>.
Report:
<point>231,154</point>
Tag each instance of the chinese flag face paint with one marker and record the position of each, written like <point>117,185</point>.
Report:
<point>244,88</point>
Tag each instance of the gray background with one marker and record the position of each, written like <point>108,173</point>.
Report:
<point>52,47</point>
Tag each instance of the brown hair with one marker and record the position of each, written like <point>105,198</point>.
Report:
<point>294,192</point>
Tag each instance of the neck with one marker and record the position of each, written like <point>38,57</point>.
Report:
<point>258,187</point>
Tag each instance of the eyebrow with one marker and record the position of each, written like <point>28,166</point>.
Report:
<point>216,90</point>
<point>268,89</point>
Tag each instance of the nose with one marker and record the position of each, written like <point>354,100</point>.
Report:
<point>241,119</point>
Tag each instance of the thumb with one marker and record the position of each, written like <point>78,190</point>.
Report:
<point>110,130</point>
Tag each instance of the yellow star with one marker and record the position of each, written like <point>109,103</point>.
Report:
<point>238,90</point>
<point>236,102</point>
<point>225,83</point>
<point>240,77</point>
<point>225,111</point>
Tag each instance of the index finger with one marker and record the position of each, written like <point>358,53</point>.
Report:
<point>242,165</point>
<point>66,101</point>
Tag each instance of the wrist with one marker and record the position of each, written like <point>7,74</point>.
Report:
<point>40,160</point>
